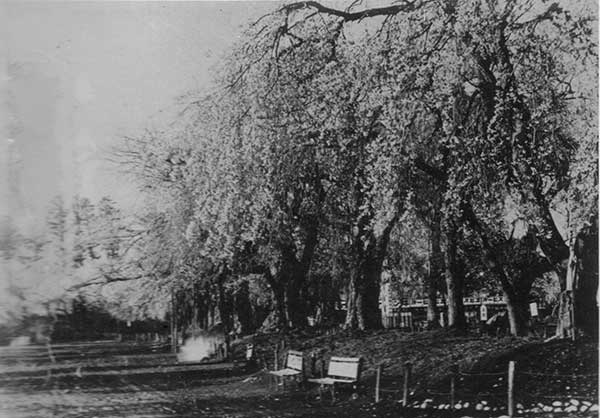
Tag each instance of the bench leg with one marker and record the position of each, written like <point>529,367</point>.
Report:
<point>332,392</point>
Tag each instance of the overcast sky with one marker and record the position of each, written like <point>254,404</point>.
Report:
<point>74,77</point>
<point>77,76</point>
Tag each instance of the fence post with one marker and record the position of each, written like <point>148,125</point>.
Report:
<point>407,371</point>
<point>313,364</point>
<point>454,371</point>
<point>377,380</point>
<point>276,357</point>
<point>511,386</point>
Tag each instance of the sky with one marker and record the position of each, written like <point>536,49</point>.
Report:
<point>76,77</point>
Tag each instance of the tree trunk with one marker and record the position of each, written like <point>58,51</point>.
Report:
<point>294,275</point>
<point>353,314</point>
<point>225,302</point>
<point>243,308</point>
<point>524,267</point>
<point>454,283</point>
<point>578,308</point>
<point>278,289</point>
<point>436,265</point>
<point>433,317</point>
<point>565,326</point>
<point>518,310</point>
<point>565,323</point>
<point>363,293</point>
<point>194,322</point>
<point>586,285</point>
<point>363,306</point>
<point>295,305</point>
<point>365,281</point>
<point>371,288</point>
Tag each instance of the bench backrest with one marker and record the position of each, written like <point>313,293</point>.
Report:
<point>344,367</point>
<point>294,360</point>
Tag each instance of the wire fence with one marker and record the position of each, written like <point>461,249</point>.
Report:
<point>509,391</point>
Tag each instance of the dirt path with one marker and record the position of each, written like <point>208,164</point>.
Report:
<point>113,379</point>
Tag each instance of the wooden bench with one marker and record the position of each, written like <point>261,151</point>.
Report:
<point>341,370</point>
<point>294,366</point>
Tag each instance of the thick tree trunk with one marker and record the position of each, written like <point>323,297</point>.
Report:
<point>326,296</point>
<point>243,308</point>
<point>436,265</point>
<point>353,314</point>
<point>565,322</point>
<point>578,305</point>
<point>518,310</point>
<point>225,302</point>
<point>278,289</point>
<point>363,293</point>
<point>294,275</point>
<point>363,311</point>
<point>354,311</point>
<point>371,288</point>
<point>454,283</point>
<point>586,285</point>
<point>525,266</point>
<point>295,303</point>
<point>433,315</point>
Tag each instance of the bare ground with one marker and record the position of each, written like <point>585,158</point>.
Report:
<point>113,379</point>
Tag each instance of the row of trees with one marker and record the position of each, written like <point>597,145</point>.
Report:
<point>453,141</point>
<point>331,128</point>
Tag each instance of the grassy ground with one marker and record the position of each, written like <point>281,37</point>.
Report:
<point>113,379</point>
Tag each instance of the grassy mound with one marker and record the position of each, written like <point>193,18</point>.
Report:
<point>555,370</point>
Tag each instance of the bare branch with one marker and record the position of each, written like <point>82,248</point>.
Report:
<point>104,280</point>
<point>550,12</point>
<point>348,16</point>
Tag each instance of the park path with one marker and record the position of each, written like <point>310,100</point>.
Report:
<point>121,379</point>
<point>109,378</point>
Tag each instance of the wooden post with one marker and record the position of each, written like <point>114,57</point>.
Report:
<point>322,367</point>
<point>454,371</point>
<point>407,371</point>
<point>377,379</point>
<point>276,358</point>
<point>511,386</point>
<point>313,364</point>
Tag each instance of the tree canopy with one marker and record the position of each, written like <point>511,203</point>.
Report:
<point>443,141</point>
